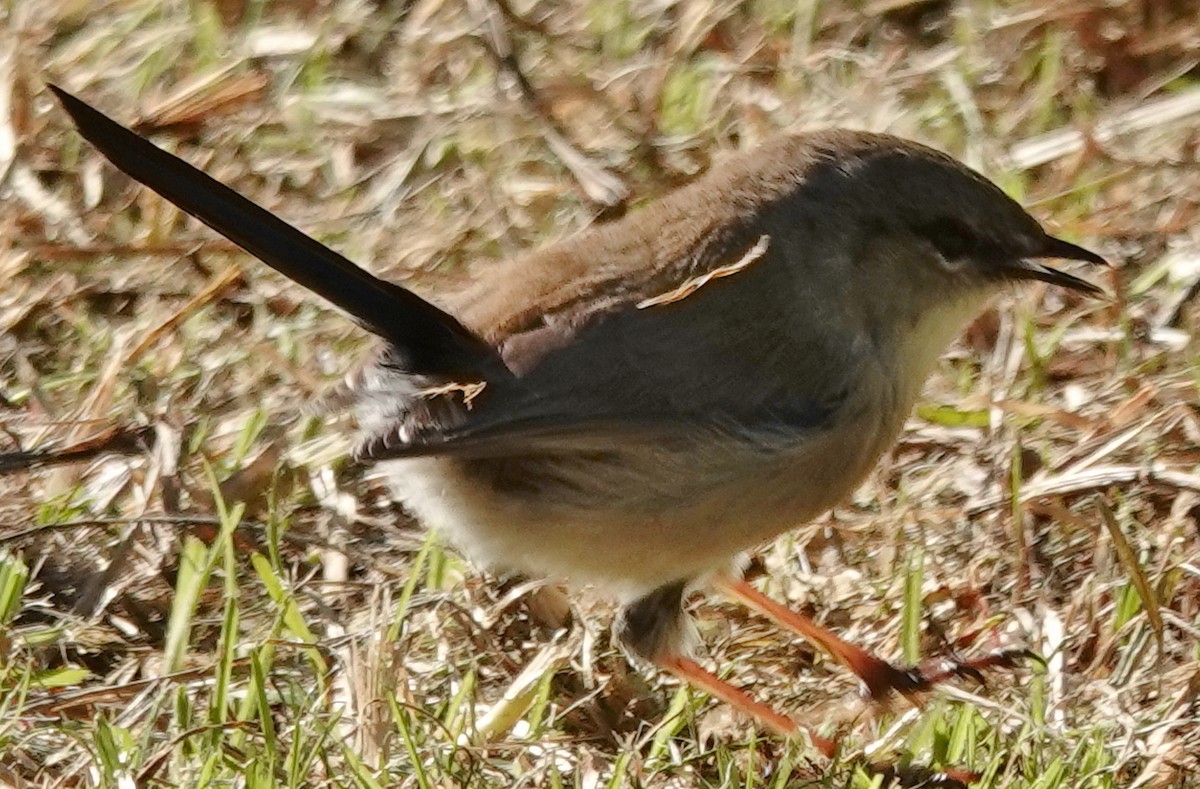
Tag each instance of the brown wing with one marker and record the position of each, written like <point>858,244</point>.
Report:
<point>604,332</point>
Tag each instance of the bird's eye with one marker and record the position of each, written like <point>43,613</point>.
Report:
<point>950,237</point>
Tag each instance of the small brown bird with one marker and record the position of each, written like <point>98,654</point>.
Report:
<point>639,405</point>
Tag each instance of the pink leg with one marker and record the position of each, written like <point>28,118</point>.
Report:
<point>879,676</point>
<point>694,674</point>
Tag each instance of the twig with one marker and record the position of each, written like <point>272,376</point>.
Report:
<point>600,186</point>
<point>1057,144</point>
<point>1073,483</point>
<point>95,523</point>
<point>117,441</point>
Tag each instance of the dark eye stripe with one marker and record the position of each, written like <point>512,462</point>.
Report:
<point>953,239</point>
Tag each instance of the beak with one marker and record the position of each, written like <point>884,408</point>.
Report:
<point>1057,248</point>
<point>1029,268</point>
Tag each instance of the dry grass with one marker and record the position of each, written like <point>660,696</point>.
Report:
<point>1046,495</point>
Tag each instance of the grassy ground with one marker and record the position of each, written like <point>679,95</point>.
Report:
<point>222,597</point>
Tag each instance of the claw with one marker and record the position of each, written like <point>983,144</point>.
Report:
<point>1025,654</point>
<point>970,672</point>
<point>882,678</point>
<point>974,668</point>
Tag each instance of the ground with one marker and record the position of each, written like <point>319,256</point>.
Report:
<point>198,585</point>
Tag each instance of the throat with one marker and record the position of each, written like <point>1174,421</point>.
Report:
<point>923,339</point>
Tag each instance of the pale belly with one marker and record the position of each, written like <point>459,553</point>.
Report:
<point>632,520</point>
<point>642,515</point>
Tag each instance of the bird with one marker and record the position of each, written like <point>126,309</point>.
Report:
<point>639,405</point>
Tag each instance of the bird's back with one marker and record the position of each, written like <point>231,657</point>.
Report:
<point>605,331</point>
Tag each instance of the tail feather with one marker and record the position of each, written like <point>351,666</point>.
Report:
<point>426,339</point>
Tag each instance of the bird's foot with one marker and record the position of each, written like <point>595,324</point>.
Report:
<point>882,678</point>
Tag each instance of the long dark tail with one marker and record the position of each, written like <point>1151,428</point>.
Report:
<point>428,340</point>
